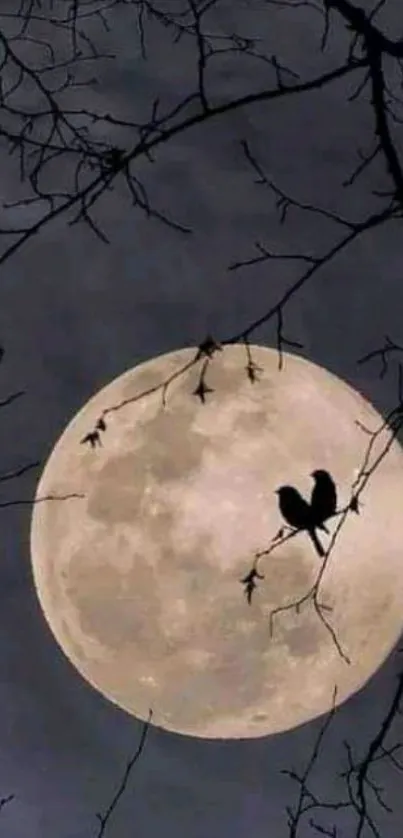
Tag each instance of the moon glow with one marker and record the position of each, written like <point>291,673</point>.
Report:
<point>139,581</point>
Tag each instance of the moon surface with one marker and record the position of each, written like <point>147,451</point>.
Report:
<point>139,580</point>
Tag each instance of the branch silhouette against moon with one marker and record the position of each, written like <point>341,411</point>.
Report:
<point>20,471</point>
<point>359,770</point>
<point>307,800</point>
<point>36,501</point>
<point>203,356</point>
<point>393,422</point>
<point>375,45</point>
<point>196,481</point>
<point>358,777</point>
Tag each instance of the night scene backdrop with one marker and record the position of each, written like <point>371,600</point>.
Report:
<point>220,145</point>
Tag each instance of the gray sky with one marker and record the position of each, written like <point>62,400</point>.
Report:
<point>75,313</point>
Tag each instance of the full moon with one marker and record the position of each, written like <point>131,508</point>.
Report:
<point>139,580</point>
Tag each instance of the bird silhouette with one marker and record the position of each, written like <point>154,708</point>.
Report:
<point>93,438</point>
<point>297,512</point>
<point>323,498</point>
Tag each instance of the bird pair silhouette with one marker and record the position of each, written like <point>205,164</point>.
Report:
<point>301,515</point>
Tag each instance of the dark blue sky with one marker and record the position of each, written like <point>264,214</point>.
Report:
<point>75,313</point>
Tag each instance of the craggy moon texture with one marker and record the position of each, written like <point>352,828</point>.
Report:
<point>140,580</point>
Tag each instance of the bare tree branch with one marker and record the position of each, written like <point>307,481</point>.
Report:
<point>40,128</point>
<point>107,816</point>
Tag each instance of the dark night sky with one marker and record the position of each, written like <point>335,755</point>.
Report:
<point>75,313</point>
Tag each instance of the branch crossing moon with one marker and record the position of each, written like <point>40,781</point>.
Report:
<point>139,581</point>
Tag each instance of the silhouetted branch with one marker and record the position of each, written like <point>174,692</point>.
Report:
<point>12,398</point>
<point>18,472</point>
<point>34,501</point>
<point>252,369</point>
<point>106,817</point>
<point>46,132</point>
<point>5,800</point>
<point>53,131</point>
<point>308,801</point>
<point>362,790</point>
<point>359,771</point>
<point>391,425</point>
<point>316,263</point>
<point>389,348</point>
<point>204,353</point>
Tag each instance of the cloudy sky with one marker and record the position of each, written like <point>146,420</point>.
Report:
<point>75,313</point>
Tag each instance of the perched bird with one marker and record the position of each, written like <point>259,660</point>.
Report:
<point>297,512</point>
<point>323,498</point>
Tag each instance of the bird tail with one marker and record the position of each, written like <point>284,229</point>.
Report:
<point>315,540</point>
